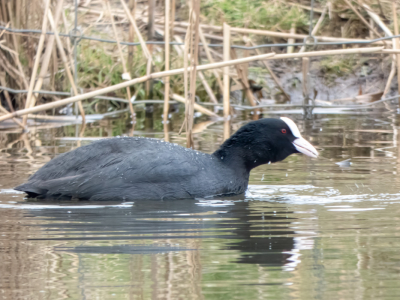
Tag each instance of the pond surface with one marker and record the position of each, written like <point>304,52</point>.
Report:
<point>307,228</point>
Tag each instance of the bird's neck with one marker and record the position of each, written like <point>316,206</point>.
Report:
<point>243,156</point>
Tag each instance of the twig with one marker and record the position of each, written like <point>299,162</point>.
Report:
<point>141,40</point>
<point>167,48</point>
<point>210,59</point>
<point>194,56</point>
<point>378,20</point>
<point>47,55</point>
<point>6,94</point>
<point>121,55</point>
<point>71,60</point>
<point>12,72</point>
<point>14,119</point>
<point>362,18</point>
<point>132,4</point>
<point>243,80</point>
<point>172,19</point>
<point>201,75</point>
<point>391,51</point>
<point>227,48</point>
<point>329,52</point>
<point>207,87</point>
<point>305,67</point>
<point>65,62</point>
<point>390,78</point>
<point>397,43</point>
<point>150,16</point>
<point>139,35</point>
<point>15,55</point>
<point>272,73</point>
<point>196,106</point>
<point>37,60</point>
<point>278,34</point>
<point>290,49</point>
<point>246,53</point>
<point>186,69</point>
<point>207,35</point>
<point>382,25</point>
<point>317,10</point>
<point>227,129</point>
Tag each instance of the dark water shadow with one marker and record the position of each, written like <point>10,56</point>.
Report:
<point>255,233</point>
<point>122,249</point>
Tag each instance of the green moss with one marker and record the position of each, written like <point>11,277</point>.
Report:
<point>338,66</point>
<point>254,14</point>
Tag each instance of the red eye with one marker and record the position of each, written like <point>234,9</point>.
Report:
<point>283,130</point>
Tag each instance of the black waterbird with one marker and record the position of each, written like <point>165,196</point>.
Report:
<point>133,168</point>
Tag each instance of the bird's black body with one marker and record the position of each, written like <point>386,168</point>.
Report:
<point>132,168</point>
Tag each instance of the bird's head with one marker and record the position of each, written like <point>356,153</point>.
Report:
<point>266,140</point>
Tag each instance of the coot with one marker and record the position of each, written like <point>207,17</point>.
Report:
<point>132,168</point>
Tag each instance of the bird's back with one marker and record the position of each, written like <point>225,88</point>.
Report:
<point>133,168</point>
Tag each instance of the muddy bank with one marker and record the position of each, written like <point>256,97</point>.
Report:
<point>330,80</point>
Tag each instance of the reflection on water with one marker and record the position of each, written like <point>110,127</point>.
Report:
<point>305,229</point>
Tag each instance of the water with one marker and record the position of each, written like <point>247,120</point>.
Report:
<point>307,228</point>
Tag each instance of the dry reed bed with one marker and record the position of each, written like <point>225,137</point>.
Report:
<point>32,61</point>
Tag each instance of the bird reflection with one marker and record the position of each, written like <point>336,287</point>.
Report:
<point>260,234</point>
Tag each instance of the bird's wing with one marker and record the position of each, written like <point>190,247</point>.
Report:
<point>150,171</point>
<point>96,155</point>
